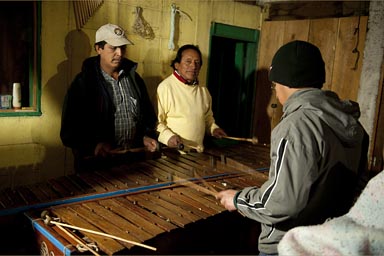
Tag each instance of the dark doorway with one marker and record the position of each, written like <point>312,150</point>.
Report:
<point>231,77</point>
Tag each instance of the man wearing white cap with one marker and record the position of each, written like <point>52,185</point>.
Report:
<point>107,106</point>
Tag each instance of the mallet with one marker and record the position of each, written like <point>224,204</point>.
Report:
<point>254,140</point>
<point>48,220</point>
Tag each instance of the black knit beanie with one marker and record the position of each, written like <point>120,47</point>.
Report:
<point>298,64</point>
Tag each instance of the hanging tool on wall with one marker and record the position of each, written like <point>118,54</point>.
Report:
<point>85,10</point>
<point>356,49</point>
<point>141,27</point>
<point>174,10</point>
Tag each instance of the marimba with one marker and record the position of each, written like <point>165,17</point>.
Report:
<point>138,207</point>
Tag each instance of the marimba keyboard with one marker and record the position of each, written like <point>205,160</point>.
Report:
<point>137,202</point>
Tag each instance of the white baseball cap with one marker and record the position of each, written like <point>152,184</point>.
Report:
<point>112,34</point>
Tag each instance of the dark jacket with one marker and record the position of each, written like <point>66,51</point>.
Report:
<point>88,110</point>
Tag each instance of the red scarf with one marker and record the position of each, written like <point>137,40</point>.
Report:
<point>181,79</point>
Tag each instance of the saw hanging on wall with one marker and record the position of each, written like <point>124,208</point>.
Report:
<point>174,10</point>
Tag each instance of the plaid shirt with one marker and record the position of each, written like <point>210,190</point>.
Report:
<point>127,108</point>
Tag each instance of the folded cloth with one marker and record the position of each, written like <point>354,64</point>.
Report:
<point>359,232</point>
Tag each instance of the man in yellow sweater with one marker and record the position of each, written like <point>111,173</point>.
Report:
<point>184,106</point>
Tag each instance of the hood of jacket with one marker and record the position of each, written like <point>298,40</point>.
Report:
<point>340,115</point>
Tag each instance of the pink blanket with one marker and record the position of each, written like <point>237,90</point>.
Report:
<point>359,232</point>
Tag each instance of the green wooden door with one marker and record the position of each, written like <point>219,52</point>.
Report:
<point>231,77</point>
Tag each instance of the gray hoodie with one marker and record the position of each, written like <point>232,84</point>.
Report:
<point>315,155</point>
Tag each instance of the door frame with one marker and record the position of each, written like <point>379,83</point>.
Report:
<point>241,34</point>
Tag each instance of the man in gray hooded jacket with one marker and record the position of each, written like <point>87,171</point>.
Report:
<point>317,151</point>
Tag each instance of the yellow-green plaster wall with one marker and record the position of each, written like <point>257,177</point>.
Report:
<point>30,147</point>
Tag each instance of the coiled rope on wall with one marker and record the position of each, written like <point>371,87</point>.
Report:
<point>141,27</point>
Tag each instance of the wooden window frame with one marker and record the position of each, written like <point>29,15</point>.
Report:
<point>34,70</point>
